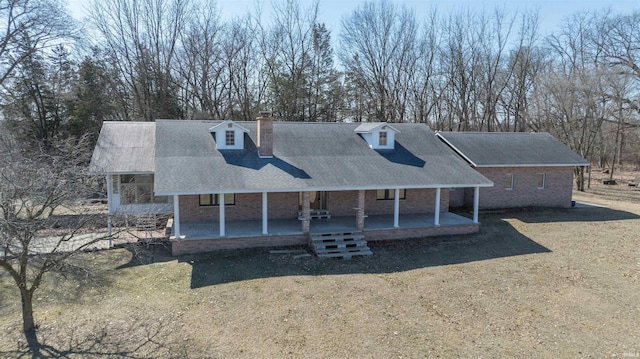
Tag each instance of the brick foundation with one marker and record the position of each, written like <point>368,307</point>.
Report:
<point>191,246</point>
<point>408,233</point>
<point>180,247</point>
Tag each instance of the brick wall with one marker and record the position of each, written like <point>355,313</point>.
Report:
<point>417,201</point>
<point>557,191</point>
<point>456,197</point>
<point>248,206</point>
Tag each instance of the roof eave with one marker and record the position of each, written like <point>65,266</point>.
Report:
<point>312,189</point>
<point>533,165</point>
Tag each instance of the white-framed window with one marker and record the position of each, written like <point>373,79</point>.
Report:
<point>508,181</point>
<point>382,139</point>
<point>214,199</point>
<point>387,194</point>
<point>230,138</point>
<point>542,180</point>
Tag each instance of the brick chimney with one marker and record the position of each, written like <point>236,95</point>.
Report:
<point>265,134</point>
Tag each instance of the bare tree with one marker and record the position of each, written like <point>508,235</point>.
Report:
<point>201,64</point>
<point>141,38</point>
<point>28,27</point>
<point>34,240</point>
<point>287,46</point>
<point>378,51</point>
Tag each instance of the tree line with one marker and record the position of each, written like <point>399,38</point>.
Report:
<point>467,70</point>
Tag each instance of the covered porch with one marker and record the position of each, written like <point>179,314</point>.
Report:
<point>292,227</point>
<point>305,225</point>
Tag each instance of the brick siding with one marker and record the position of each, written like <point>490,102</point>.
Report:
<point>525,192</point>
<point>248,206</point>
<point>417,201</point>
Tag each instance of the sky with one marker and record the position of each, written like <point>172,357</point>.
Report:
<point>552,12</point>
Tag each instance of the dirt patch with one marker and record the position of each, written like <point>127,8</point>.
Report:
<point>531,283</point>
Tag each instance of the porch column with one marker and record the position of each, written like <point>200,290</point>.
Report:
<point>360,211</point>
<point>176,216</point>
<point>396,208</point>
<point>306,212</point>
<point>110,193</point>
<point>476,201</point>
<point>109,204</point>
<point>436,216</point>
<point>221,207</point>
<point>109,230</point>
<point>264,214</point>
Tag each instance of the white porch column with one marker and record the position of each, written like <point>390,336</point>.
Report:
<point>436,216</point>
<point>110,194</point>
<point>396,208</point>
<point>476,201</point>
<point>222,220</point>
<point>265,214</point>
<point>176,216</point>
<point>109,206</point>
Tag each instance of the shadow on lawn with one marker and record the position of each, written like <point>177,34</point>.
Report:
<point>582,213</point>
<point>143,338</point>
<point>496,239</point>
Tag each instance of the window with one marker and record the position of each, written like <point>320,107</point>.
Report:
<point>541,180</point>
<point>230,138</point>
<point>386,194</point>
<point>509,181</point>
<point>213,199</point>
<point>382,141</point>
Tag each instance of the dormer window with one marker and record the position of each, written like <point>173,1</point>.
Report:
<point>379,135</point>
<point>228,135</point>
<point>382,140</point>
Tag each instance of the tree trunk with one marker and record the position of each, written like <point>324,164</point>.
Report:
<point>28,325</point>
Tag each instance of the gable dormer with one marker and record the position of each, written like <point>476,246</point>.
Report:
<point>379,135</point>
<point>229,135</point>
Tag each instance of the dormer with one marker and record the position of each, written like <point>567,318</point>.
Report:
<point>228,135</point>
<point>379,135</point>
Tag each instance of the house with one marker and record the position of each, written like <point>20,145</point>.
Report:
<point>245,184</point>
<point>528,169</point>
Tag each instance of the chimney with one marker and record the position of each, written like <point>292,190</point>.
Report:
<point>265,134</point>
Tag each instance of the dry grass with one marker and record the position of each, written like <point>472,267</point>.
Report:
<point>532,283</point>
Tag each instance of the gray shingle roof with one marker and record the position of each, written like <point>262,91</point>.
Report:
<point>511,149</point>
<point>307,156</point>
<point>125,147</point>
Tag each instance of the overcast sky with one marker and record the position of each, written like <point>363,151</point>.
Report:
<point>552,12</point>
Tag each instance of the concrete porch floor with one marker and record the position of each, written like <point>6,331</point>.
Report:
<point>283,227</point>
